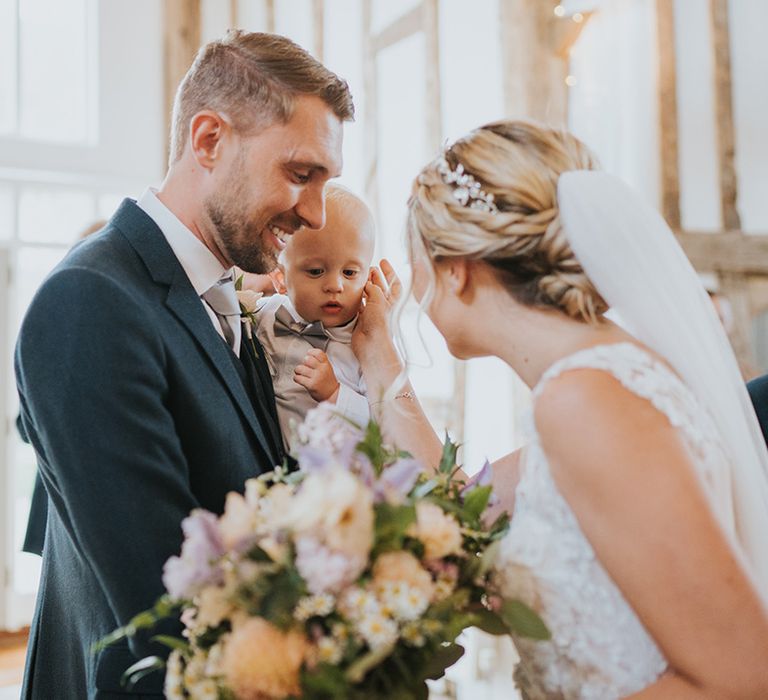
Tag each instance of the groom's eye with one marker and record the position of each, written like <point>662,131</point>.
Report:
<point>300,178</point>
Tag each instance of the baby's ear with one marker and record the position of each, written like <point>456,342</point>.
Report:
<point>278,279</point>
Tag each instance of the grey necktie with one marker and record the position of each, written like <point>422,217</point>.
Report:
<point>222,298</point>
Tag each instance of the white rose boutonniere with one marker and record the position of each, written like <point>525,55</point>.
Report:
<point>247,299</point>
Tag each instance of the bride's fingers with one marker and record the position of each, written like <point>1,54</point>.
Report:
<point>395,286</point>
<point>378,280</point>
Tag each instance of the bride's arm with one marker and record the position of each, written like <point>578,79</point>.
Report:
<point>402,420</point>
<point>628,476</point>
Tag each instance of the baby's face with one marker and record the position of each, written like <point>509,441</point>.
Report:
<point>326,270</point>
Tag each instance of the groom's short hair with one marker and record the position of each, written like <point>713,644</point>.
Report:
<point>253,78</point>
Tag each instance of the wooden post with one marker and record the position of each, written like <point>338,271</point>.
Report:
<point>318,28</point>
<point>234,14</point>
<point>370,88</point>
<point>724,114</point>
<point>434,110</point>
<point>668,142</point>
<point>269,6</point>
<point>182,40</point>
<point>533,72</point>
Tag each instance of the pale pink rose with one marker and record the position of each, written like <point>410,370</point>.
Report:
<point>402,567</point>
<point>438,531</point>
<point>261,662</point>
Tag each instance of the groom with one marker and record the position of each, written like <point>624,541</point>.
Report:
<point>137,392</point>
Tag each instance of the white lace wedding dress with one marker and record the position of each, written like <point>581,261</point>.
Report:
<point>599,648</point>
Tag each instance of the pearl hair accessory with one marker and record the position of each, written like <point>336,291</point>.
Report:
<point>466,189</point>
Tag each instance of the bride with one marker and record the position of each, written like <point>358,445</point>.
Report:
<point>640,508</point>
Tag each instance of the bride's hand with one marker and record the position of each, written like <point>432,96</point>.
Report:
<point>372,331</point>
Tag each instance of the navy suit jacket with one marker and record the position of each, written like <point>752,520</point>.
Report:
<point>138,413</point>
<point>758,392</point>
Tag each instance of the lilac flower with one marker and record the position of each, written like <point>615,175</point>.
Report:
<point>397,480</point>
<point>323,569</point>
<point>197,566</point>
<point>483,478</point>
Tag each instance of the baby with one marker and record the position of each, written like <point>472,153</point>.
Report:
<point>306,329</point>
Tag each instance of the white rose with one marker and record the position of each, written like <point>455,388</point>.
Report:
<point>247,299</point>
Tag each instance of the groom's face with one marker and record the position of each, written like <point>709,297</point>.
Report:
<point>272,184</point>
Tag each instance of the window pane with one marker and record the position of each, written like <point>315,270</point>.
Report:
<point>32,267</point>
<point>53,216</point>
<point>7,66</point>
<point>54,87</point>
<point>293,18</point>
<point>6,213</point>
<point>384,12</point>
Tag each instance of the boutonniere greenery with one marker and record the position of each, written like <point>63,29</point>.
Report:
<point>248,299</point>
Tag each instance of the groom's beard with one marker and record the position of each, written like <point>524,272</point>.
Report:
<point>238,237</point>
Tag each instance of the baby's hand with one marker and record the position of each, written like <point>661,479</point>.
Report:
<point>316,375</point>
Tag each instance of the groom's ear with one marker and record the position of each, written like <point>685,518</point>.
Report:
<point>278,279</point>
<point>206,131</point>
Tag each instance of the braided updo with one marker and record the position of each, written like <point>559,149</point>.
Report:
<point>519,163</point>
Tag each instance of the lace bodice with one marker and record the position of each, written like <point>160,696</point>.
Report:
<point>599,648</point>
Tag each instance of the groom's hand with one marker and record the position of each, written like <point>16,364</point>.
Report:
<point>316,375</point>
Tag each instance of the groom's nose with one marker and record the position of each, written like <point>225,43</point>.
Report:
<point>311,206</point>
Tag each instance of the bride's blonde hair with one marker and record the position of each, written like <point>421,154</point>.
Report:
<point>519,163</point>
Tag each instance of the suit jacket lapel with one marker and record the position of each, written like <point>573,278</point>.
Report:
<point>164,268</point>
<point>262,383</point>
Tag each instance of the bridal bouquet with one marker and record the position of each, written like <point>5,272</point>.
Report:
<point>350,577</point>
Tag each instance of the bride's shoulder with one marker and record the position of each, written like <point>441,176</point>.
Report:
<point>587,415</point>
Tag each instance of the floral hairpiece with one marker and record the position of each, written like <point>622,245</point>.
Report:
<point>466,189</point>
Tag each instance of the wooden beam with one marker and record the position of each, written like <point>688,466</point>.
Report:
<point>735,288</point>
<point>668,123</point>
<point>434,111</point>
<point>532,72</point>
<point>370,122</point>
<point>269,6</point>
<point>726,147</point>
<point>403,27</point>
<point>732,252</point>
<point>318,28</point>
<point>234,14</point>
<point>181,42</point>
<point>565,32</point>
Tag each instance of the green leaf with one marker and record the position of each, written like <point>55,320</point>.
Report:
<point>448,458</point>
<point>141,668</point>
<point>476,502</point>
<point>356,672</point>
<point>171,642</point>
<point>391,524</point>
<point>239,284</point>
<point>519,618</point>
<point>488,558</point>
<point>426,488</point>
<point>325,681</point>
<point>444,656</point>
<point>372,446</point>
<point>490,622</point>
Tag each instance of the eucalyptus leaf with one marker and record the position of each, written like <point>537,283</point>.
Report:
<point>520,619</point>
<point>141,668</point>
<point>444,656</point>
<point>476,501</point>
<point>491,623</point>
<point>448,458</point>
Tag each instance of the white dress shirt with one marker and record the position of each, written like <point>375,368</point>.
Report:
<point>201,265</point>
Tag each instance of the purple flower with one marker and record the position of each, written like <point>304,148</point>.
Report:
<point>197,566</point>
<point>323,569</point>
<point>397,480</point>
<point>483,478</point>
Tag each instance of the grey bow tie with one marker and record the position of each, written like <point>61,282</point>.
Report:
<point>313,333</point>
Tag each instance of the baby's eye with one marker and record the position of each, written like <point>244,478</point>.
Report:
<point>315,272</point>
<point>351,273</point>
